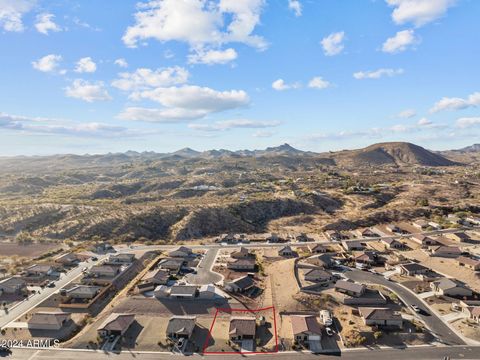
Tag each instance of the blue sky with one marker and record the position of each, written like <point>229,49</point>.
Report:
<point>107,76</point>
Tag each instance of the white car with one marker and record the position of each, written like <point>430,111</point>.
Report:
<point>329,331</point>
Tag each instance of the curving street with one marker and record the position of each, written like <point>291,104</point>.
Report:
<point>204,274</point>
<point>433,322</point>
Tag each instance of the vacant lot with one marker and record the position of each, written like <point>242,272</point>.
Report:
<point>28,251</point>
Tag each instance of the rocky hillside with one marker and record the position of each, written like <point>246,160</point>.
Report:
<point>393,153</point>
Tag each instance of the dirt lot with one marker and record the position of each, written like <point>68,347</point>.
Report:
<point>27,251</point>
<point>468,329</point>
<point>265,334</point>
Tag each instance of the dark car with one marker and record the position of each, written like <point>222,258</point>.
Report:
<point>5,350</point>
<point>94,258</point>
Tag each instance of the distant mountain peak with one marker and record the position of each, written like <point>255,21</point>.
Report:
<point>284,148</point>
<point>471,148</point>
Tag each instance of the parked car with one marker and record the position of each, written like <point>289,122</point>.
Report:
<point>5,350</point>
<point>51,284</point>
<point>415,308</point>
<point>329,331</point>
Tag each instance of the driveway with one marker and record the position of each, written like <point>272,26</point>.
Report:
<point>433,322</point>
<point>204,274</point>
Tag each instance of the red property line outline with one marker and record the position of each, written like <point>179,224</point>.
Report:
<point>204,352</point>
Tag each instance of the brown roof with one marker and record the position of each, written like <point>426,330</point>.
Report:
<point>468,261</point>
<point>447,249</point>
<point>117,322</point>
<point>49,318</point>
<point>349,286</point>
<point>379,314</point>
<point>241,326</point>
<point>305,324</point>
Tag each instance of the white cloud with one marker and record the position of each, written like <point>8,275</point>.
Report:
<point>333,43</point>
<point>377,74</point>
<point>211,57</point>
<point>86,65</point>
<point>318,83</point>
<point>87,91</point>
<point>235,124</point>
<point>11,13</point>
<point>187,102</point>
<point>48,63</point>
<point>419,12</point>
<point>424,122</point>
<point>407,114</point>
<point>467,122</point>
<point>295,6</point>
<point>197,22</point>
<point>144,78</point>
<point>192,97</point>
<point>38,125</point>
<point>160,115</point>
<point>400,42</point>
<point>473,100</point>
<point>280,85</point>
<point>121,63</point>
<point>45,23</point>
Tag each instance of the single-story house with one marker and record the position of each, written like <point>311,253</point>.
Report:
<point>381,317</point>
<point>13,285</point>
<point>107,271</point>
<point>364,233</point>
<point>303,238</point>
<point>40,270</point>
<point>473,313</point>
<point>367,257</point>
<point>242,328</point>
<point>473,264</point>
<point>322,260</point>
<point>286,251</point>
<point>393,244</point>
<point>423,240</point>
<point>174,265</point>
<point>181,327</point>
<point>273,238</point>
<point>412,269</point>
<point>445,251</point>
<point>44,320</point>
<point>450,287</point>
<point>353,245</point>
<point>206,291</point>
<point>242,265</point>
<point>121,258</point>
<point>241,284</point>
<point>161,291</point>
<point>67,259</point>
<point>153,278</point>
<point>350,288</point>
<point>183,291</point>
<point>116,324</point>
<point>181,252</point>
<point>243,253</point>
<point>83,292</point>
<point>305,328</point>
<point>459,236</point>
<point>318,276</point>
<point>420,224</point>
<point>334,235</point>
<point>393,228</point>
<point>318,249</point>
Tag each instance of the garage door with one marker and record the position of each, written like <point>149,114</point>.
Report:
<point>314,338</point>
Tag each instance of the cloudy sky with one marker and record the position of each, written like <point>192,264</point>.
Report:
<point>91,76</point>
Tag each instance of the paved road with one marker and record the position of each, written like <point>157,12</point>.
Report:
<point>34,300</point>
<point>434,323</point>
<point>204,274</point>
<point>423,353</point>
<point>293,244</point>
